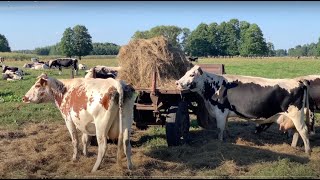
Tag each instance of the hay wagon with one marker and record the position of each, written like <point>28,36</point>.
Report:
<point>171,108</point>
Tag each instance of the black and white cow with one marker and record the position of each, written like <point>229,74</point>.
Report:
<point>103,72</point>
<point>15,70</point>
<point>260,99</point>
<point>314,99</point>
<point>64,62</point>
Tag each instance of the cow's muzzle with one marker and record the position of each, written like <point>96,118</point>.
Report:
<point>25,99</point>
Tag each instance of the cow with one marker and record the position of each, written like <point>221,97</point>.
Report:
<point>101,107</point>
<point>102,72</point>
<point>38,66</point>
<point>193,59</point>
<point>65,62</point>
<point>314,99</point>
<point>254,98</point>
<point>15,70</point>
<point>28,65</point>
<point>11,76</point>
<point>1,60</point>
<point>82,66</point>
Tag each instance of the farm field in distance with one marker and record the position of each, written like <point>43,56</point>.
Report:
<point>35,143</point>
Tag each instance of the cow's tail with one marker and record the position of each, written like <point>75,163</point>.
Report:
<point>120,136</point>
<point>306,102</point>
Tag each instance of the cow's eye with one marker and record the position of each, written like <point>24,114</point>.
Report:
<point>191,75</point>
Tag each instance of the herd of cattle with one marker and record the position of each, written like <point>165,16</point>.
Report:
<point>101,105</point>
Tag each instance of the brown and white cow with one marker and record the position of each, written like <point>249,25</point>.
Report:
<point>260,99</point>
<point>101,107</point>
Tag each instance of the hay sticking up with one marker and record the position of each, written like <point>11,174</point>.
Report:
<point>140,57</point>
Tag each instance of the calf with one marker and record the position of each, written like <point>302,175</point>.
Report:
<point>101,107</point>
<point>260,99</point>
<point>64,62</point>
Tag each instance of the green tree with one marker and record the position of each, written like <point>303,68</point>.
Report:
<point>172,33</point>
<point>67,43</point>
<point>82,41</point>
<point>233,37</point>
<point>318,48</point>
<point>281,52</point>
<point>105,49</point>
<point>271,51</point>
<point>198,43</point>
<point>4,45</point>
<point>253,42</point>
<point>213,39</point>
<point>42,51</point>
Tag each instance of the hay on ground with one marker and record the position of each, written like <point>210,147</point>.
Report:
<point>141,57</point>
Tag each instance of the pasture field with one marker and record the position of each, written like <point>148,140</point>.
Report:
<point>35,143</point>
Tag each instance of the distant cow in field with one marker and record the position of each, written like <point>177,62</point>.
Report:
<point>258,99</point>
<point>193,59</point>
<point>102,72</point>
<point>64,62</point>
<point>11,76</point>
<point>12,69</point>
<point>82,67</point>
<point>101,107</point>
<point>1,59</point>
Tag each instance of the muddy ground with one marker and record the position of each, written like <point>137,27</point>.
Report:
<point>45,150</point>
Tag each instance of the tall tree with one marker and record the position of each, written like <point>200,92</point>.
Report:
<point>253,42</point>
<point>4,45</point>
<point>213,39</point>
<point>271,51</point>
<point>198,43</point>
<point>318,48</point>
<point>233,37</point>
<point>184,36</point>
<point>67,43</point>
<point>82,41</point>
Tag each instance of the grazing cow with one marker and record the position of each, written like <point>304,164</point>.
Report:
<point>65,62</point>
<point>260,99</point>
<point>11,76</point>
<point>314,100</point>
<point>102,72</point>
<point>101,107</point>
<point>82,66</point>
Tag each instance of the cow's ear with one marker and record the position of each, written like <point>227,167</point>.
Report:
<point>43,82</point>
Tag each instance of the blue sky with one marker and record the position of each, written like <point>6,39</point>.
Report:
<point>31,24</point>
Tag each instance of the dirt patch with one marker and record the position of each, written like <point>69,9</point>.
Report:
<point>45,151</point>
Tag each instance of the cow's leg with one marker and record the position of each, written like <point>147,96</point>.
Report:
<point>85,141</point>
<point>102,145</point>
<point>73,132</point>
<point>127,147</point>
<point>103,125</point>
<point>60,70</point>
<point>295,138</point>
<point>221,123</point>
<point>120,149</point>
<point>301,127</point>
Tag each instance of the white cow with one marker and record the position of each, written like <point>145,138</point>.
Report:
<point>101,107</point>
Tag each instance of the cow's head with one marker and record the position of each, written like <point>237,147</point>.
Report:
<point>191,80</point>
<point>39,92</point>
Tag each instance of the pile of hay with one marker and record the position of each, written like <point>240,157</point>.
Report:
<point>140,57</point>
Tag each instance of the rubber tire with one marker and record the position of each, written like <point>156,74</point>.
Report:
<point>177,124</point>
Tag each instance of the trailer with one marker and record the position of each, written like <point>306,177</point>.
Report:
<point>171,108</point>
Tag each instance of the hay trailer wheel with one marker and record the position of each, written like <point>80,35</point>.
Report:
<point>177,124</point>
